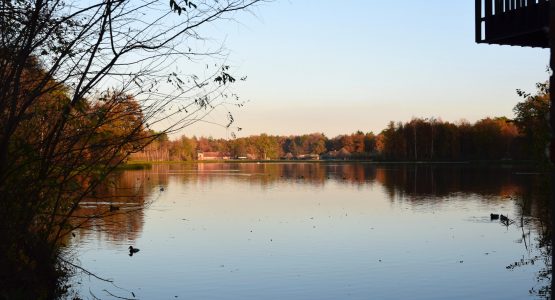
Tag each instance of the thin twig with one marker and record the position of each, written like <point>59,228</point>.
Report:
<point>94,296</point>
<point>87,271</point>
<point>105,290</point>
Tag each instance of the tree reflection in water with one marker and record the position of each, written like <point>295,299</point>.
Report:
<point>117,207</point>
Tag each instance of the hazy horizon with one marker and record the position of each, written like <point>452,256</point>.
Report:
<point>240,133</point>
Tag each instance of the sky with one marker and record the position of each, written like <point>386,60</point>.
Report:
<point>336,67</point>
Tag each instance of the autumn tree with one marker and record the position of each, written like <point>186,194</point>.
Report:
<point>182,149</point>
<point>370,142</point>
<point>531,117</point>
<point>238,147</point>
<point>61,130</point>
<point>316,143</point>
<point>433,140</point>
<point>266,147</point>
<point>117,118</point>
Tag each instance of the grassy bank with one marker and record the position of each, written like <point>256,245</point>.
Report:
<point>136,165</point>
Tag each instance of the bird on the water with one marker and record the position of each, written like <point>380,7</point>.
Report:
<point>133,250</point>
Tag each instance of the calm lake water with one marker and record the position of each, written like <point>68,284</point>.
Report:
<point>315,231</point>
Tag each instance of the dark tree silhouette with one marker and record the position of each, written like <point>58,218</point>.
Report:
<point>80,84</point>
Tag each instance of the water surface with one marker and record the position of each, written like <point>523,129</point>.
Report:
<point>315,231</point>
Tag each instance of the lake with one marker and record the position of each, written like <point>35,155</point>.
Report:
<point>316,231</point>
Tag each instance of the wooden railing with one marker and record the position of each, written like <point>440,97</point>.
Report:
<point>500,21</point>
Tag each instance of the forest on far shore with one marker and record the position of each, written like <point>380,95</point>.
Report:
<point>523,138</point>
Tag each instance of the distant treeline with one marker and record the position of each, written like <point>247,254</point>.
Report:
<point>523,138</point>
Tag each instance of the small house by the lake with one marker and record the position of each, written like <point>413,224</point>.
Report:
<point>213,155</point>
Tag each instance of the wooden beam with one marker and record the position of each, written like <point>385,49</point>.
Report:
<point>498,7</point>
<point>478,21</point>
<point>489,8</point>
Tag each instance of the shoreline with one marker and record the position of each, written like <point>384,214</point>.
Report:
<point>137,163</point>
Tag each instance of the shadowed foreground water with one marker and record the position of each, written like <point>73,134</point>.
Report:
<point>316,231</point>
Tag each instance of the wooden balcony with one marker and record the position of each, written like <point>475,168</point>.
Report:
<point>513,22</point>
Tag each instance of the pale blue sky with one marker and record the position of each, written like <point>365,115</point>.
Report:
<point>340,66</point>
